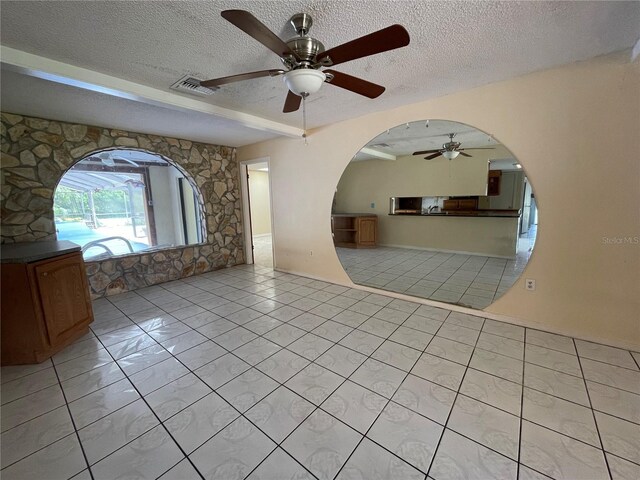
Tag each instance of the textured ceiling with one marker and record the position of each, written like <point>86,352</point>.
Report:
<point>454,46</point>
<point>416,136</point>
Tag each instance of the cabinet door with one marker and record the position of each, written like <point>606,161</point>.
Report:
<point>62,288</point>
<point>493,183</point>
<point>367,228</point>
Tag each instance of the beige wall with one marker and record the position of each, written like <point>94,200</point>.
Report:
<point>574,129</point>
<point>260,203</point>
<point>374,181</point>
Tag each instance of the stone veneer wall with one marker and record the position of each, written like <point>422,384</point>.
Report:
<point>35,153</point>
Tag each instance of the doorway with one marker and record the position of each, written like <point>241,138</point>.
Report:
<point>257,213</point>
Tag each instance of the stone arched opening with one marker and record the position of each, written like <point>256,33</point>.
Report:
<point>37,152</point>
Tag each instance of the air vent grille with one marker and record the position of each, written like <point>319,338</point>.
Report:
<point>192,85</point>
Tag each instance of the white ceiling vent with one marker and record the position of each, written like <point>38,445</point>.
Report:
<point>192,85</point>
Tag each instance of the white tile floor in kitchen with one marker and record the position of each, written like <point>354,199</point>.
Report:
<point>473,281</point>
<point>247,372</point>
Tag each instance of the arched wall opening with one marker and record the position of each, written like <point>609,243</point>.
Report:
<point>435,209</point>
<point>120,200</point>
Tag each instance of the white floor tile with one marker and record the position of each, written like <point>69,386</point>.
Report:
<point>62,459</point>
<point>176,396</point>
<point>234,452</point>
<point>280,413</point>
<point>280,466</point>
<point>199,422</point>
<point>426,398</point>
<point>34,435</point>
<point>559,456</point>
<point>108,434</point>
<point>354,405</point>
<point>486,425</point>
<point>322,444</point>
<point>371,461</point>
<point>153,453</point>
<point>410,436</point>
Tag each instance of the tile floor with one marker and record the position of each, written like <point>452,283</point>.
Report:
<point>469,280</point>
<point>251,373</point>
<point>262,251</point>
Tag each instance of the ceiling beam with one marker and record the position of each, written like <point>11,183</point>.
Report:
<point>66,74</point>
<point>377,153</point>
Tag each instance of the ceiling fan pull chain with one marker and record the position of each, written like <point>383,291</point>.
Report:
<point>304,118</point>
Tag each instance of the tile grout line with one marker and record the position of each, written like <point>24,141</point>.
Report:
<point>593,414</point>
<point>73,424</point>
<point>520,420</point>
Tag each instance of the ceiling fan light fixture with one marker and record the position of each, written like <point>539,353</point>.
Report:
<point>450,154</point>
<point>304,81</point>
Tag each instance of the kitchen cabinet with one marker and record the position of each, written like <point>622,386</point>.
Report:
<point>464,204</point>
<point>493,183</point>
<point>354,230</point>
<point>46,303</point>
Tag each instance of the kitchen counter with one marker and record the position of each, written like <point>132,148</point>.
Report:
<point>473,213</point>
<point>33,251</point>
<point>343,215</point>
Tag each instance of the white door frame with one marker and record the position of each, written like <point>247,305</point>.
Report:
<point>246,212</point>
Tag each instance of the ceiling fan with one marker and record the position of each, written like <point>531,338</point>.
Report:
<point>109,159</point>
<point>449,150</point>
<point>303,56</point>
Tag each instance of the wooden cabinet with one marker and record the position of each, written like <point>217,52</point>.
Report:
<point>45,306</point>
<point>464,204</point>
<point>493,183</point>
<point>354,231</point>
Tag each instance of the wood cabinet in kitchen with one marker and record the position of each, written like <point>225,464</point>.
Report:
<point>493,183</point>
<point>45,301</point>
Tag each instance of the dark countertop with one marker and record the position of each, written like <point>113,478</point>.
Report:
<point>33,251</point>
<point>475,213</point>
<point>354,215</point>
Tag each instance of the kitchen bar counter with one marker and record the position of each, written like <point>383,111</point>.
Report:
<point>471,213</point>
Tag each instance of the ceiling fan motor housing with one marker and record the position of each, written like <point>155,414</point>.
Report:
<point>306,49</point>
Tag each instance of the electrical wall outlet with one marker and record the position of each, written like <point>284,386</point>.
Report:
<point>530,284</point>
<point>373,205</point>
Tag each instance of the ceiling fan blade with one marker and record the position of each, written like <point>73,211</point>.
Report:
<point>355,84</point>
<point>464,154</point>
<point>422,152</point>
<point>216,82</point>
<point>292,103</point>
<point>476,148</point>
<point>431,157</point>
<point>253,27</point>
<point>383,40</point>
